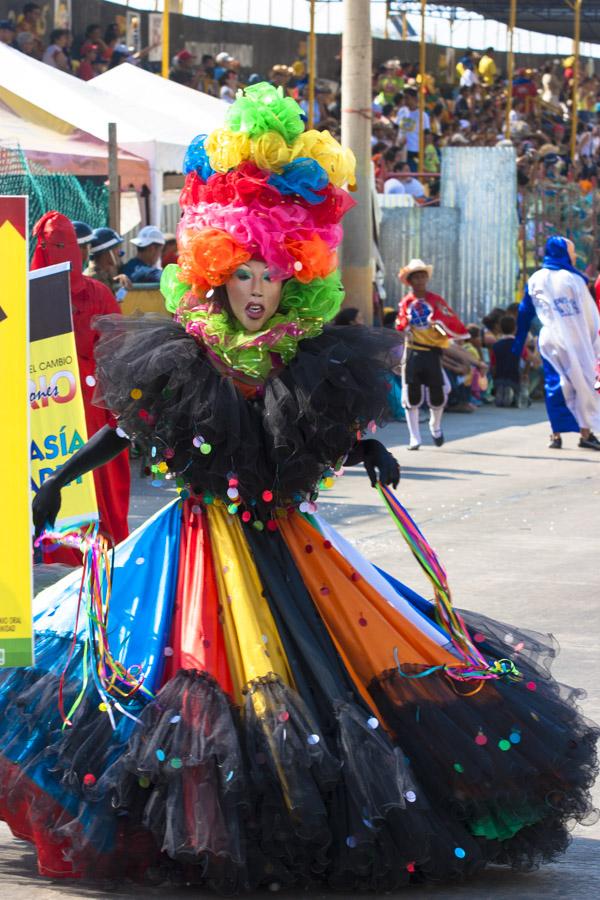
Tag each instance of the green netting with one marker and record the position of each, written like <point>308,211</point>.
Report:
<point>77,198</point>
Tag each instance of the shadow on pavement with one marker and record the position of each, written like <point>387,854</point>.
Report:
<point>576,875</point>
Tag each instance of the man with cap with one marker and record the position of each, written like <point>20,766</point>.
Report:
<point>183,71</point>
<point>144,268</point>
<point>429,324</point>
<point>84,234</point>
<point>7,32</point>
<point>104,260</point>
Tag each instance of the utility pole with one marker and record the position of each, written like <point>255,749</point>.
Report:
<point>357,273</point>
<point>512,21</point>
<point>576,6</point>
<point>422,87</point>
<point>114,186</point>
<point>166,62</point>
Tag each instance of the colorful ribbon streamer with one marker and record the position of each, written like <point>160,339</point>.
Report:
<point>474,665</point>
<point>114,683</point>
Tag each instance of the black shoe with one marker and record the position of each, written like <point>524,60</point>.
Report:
<point>555,443</point>
<point>439,440</point>
<point>590,443</point>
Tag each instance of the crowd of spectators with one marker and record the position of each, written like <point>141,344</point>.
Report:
<point>465,104</point>
<point>93,54</point>
<point>469,109</point>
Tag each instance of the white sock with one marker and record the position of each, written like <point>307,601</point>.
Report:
<point>412,420</point>
<point>435,420</point>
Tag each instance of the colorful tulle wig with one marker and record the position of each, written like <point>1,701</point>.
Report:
<point>260,188</point>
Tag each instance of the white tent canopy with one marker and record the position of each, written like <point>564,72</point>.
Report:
<point>75,154</point>
<point>154,120</point>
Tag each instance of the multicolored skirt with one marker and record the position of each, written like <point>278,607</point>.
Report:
<point>295,723</point>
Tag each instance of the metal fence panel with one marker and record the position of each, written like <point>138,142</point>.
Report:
<point>481,183</point>
<point>426,232</point>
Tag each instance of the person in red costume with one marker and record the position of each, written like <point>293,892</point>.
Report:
<point>57,243</point>
<point>429,323</point>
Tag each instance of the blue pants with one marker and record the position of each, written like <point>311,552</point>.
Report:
<point>560,416</point>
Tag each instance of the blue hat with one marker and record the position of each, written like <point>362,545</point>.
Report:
<point>7,25</point>
<point>104,239</point>
<point>83,231</point>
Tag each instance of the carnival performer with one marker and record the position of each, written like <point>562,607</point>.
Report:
<point>57,243</point>
<point>569,343</point>
<point>429,323</point>
<point>262,706</point>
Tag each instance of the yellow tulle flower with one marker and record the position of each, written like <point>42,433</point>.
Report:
<point>227,149</point>
<point>339,163</point>
<point>270,151</point>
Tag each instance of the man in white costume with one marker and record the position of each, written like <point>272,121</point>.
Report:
<point>569,343</point>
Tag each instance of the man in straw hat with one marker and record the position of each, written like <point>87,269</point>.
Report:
<point>429,324</point>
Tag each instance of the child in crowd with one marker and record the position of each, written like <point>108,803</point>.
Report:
<point>506,364</point>
<point>479,381</point>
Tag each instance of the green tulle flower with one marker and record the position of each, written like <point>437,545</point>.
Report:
<point>172,288</point>
<point>263,107</point>
<point>303,311</point>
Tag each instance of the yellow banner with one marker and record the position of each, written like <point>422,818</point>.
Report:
<point>16,642</point>
<point>58,426</point>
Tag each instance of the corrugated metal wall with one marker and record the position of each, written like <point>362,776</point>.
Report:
<point>471,238</point>
<point>481,182</point>
<point>425,232</point>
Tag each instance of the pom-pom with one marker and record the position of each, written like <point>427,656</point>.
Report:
<point>263,107</point>
<point>196,158</point>
<point>227,149</point>
<point>270,151</point>
<point>172,287</point>
<point>304,177</point>
<point>316,259</point>
<point>339,163</point>
<point>210,257</point>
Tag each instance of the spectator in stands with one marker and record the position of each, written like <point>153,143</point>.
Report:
<point>26,43</point>
<point>144,268</point>
<point>7,32</point>
<point>223,62</point>
<point>410,184</point>
<point>207,83</point>
<point>29,20</point>
<point>183,70</point>
<point>112,37</point>
<point>407,121</point>
<point>228,86</point>
<point>55,54</point>
<point>465,62</point>
<point>88,64</point>
<point>487,67</point>
<point>280,75</point>
<point>104,259</point>
<point>93,35</point>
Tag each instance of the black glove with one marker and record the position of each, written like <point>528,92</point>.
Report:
<point>379,462</point>
<point>46,504</point>
<point>100,449</point>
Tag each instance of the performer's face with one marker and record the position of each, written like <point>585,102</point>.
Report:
<point>253,297</point>
<point>418,282</point>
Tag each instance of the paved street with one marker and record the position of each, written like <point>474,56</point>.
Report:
<point>517,528</point>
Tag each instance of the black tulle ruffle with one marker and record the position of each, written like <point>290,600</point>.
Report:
<point>514,762</point>
<point>301,422</point>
